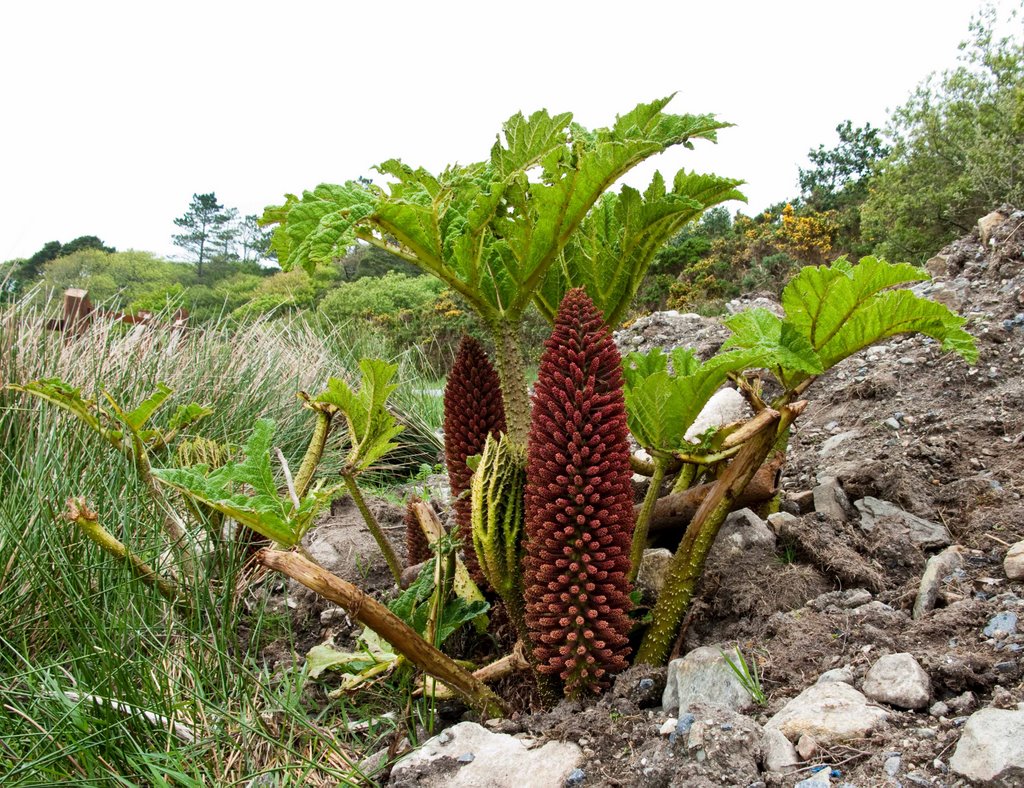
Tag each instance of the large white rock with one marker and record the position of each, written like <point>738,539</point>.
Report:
<point>725,406</point>
<point>991,748</point>
<point>899,680</point>
<point>1013,564</point>
<point>703,675</point>
<point>470,756</point>
<point>832,713</point>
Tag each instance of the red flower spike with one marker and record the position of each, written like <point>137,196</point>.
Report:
<point>472,410</point>
<point>417,548</point>
<point>579,514</point>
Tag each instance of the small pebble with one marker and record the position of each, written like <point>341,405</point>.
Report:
<point>682,727</point>
<point>466,757</point>
<point>1002,622</point>
<point>576,776</point>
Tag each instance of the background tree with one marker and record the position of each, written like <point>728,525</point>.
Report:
<point>227,228</point>
<point>254,240</point>
<point>840,175</point>
<point>840,179</point>
<point>22,273</point>
<point>958,147</point>
<point>203,219</point>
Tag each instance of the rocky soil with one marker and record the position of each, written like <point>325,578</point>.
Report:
<point>883,607</point>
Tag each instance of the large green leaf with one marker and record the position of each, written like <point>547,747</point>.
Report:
<point>371,426</point>
<point>65,396</point>
<point>492,229</point>
<point>662,404</point>
<point>108,420</point>
<point>776,344</point>
<point>616,242</point>
<point>246,491</point>
<point>835,311</point>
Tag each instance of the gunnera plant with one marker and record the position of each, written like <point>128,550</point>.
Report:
<point>579,504</point>
<point>472,410</point>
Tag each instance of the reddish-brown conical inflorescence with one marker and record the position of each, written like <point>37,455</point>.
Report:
<point>579,504</point>
<point>417,548</point>
<point>472,410</point>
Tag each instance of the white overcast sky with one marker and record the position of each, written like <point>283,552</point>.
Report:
<point>114,114</point>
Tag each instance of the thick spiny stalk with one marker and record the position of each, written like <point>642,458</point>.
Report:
<point>688,563</point>
<point>643,519</point>
<point>371,522</point>
<point>512,373</point>
<point>80,514</point>
<point>314,452</point>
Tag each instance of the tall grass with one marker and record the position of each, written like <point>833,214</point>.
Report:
<point>101,682</point>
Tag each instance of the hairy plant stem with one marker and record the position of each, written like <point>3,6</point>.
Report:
<point>643,519</point>
<point>685,478</point>
<point>371,522</point>
<point>688,563</point>
<point>371,613</point>
<point>80,514</point>
<point>508,353</point>
<point>314,452</point>
<point>174,526</point>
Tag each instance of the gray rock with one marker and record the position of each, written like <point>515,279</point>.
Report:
<point>703,675</point>
<point>899,680</point>
<point>820,779</point>
<point>780,755</point>
<point>742,531</point>
<point>845,600</point>
<point>1005,622</point>
<point>937,265</point>
<point>498,761</point>
<point>776,520</point>
<point>1013,564</point>
<point>830,499</point>
<point>653,570</point>
<point>923,533</point>
<point>938,567</point>
<point>833,713</point>
<point>845,675</point>
<point>964,703</point>
<point>991,748</point>
<point>829,446</point>
<point>892,765</point>
<point>757,302</point>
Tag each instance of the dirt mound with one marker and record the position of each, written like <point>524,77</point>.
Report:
<point>917,429</point>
